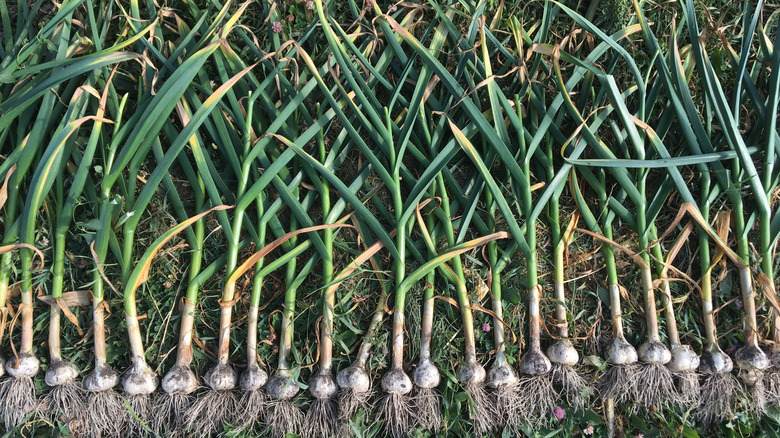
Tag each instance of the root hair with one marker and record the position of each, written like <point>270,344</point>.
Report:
<point>283,418</point>
<point>772,387</point>
<point>573,387</point>
<point>657,388</point>
<point>537,398</point>
<point>168,414</point>
<point>322,419</point>
<point>719,391</point>
<point>17,400</point>
<point>506,401</point>
<point>106,414</point>
<point>619,383</point>
<point>351,401</point>
<point>141,415</point>
<point>67,403</point>
<point>395,412</point>
<point>481,409</point>
<point>427,406</point>
<point>210,411</point>
<point>688,388</point>
<point>757,396</point>
<point>253,408</point>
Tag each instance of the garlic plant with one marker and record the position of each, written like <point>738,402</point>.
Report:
<point>432,129</point>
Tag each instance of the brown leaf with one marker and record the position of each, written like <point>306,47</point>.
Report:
<point>68,314</point>
<point>768,289</point>
<point>720,242</point>
<point>623,293</point>
<point>4,188</point>
<point>99,266</point>
<point>634,256</point>
<point>8,248</point>
<point>79,298</point>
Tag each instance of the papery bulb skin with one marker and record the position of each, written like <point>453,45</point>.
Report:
<point>501,375</point>
<point>684,359</point>
<point>535,363</point>
<point>281,386</point>
<point>179,380</point>
<point>355,378</point>
<point>713,362</point>
<point>564,353</point>
<point>396,381</point>
<point>102,379</point>
<point>221,378</point>
<point>620,352</point>
<point>654,352</point>
<point>26,366</point>
<point>61,372</point>
<point>253,378</point>
<point>323,385</point>
<point>426,375</point>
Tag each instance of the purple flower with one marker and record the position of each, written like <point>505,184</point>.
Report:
<point>558,412</point>
<point>639,435</point>
<point>486,327</point>
<point>588,430</point>
<point>276,27</point>
<point>310,5</point>
<point>738,303</point>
